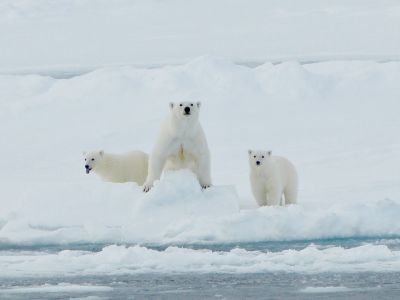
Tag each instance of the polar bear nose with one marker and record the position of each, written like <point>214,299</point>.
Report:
<point>258,163</point>
<point>86,166</point>
<point>187,109</point>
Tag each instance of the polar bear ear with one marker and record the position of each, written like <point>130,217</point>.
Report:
<point>101,152</point>
<point>250,151</point>
<point>198,104</point>
<point>171,105</point>
<point>269,152</point>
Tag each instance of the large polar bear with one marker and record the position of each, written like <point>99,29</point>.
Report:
<point>181,144</point>
<point>270,177</point>
<point>127,167</point>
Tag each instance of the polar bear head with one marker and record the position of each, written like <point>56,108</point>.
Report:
<point>92,159</point>
<point>258,157</point>
<point>185,110</point>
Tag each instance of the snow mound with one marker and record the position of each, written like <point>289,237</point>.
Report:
<point>180,195</point>
<point>177,203</point>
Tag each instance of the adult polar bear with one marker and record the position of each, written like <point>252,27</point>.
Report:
<point>181,144</point>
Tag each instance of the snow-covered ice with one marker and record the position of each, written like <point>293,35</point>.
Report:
<point>122,260</point>
<point>337,121</point>
<point>69,35</point>
<point>55,288</point>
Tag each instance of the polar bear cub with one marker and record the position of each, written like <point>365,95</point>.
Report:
<point>270,177</point>
<point>126,167</point>
<point>181,144</point>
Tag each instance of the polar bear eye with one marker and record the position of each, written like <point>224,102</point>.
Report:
<point>262,156</point>
<point>92,159</point>
<point>181,104</point>
<point>191,104</point>
<point>254,156</point>
<point>85,159</point>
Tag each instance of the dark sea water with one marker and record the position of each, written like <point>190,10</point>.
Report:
<point>266,285</point>
<point>222,286</point>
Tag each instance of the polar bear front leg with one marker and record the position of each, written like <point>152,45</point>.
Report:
<point>204,170</point>
<point>259,193</point>
<point>156,165</point>
<point>260,196</point>
<point>274,196</point>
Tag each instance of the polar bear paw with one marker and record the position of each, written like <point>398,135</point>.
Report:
<point>147,187</point>
<point>205,186</point>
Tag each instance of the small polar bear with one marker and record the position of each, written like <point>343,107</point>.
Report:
<point>181,144</point>
<point>270,177</point>
<point>127,167</point>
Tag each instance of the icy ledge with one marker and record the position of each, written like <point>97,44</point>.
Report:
<point>178,211</point>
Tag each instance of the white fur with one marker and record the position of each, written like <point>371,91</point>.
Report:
<point>127,167</point>
<point>181,144</point>
<point>273,177</point>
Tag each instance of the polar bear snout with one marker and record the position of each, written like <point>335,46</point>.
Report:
<point>187,111</point>
<point>88,169</point>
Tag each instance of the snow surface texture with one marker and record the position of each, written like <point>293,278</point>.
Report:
<point>337,121</point>
<point>81,34</point>
<point>120,260</point>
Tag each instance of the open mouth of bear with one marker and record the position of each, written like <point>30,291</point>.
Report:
<point>88,170</point>
<point>186,114</point>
